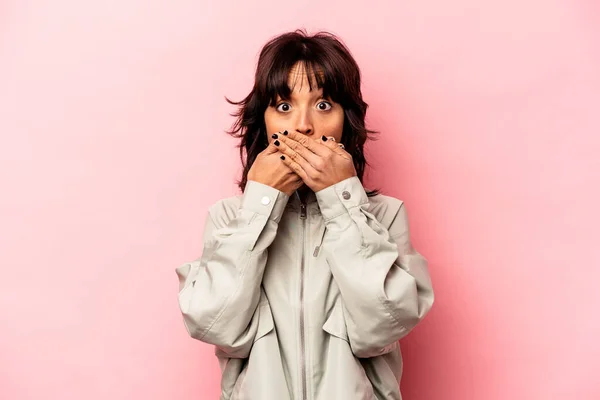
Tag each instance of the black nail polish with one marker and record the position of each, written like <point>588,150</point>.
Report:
<point>285,133</point>
<point>282,157</point>
<point>277,143</point>
<point>274,136</point>
<point>324,138</point>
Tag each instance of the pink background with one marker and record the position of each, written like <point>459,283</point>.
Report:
<point>112,116</point>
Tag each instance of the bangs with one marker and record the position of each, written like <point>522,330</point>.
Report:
<point>279,79</point>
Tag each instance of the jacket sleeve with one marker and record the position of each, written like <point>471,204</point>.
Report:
<point>220,291</point>
<point>384,282</point>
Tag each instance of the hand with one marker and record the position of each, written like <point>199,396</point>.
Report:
<point>269,170</point>
<point>319,163</point>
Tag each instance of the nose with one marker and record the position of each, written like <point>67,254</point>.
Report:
<point>304,123</point>
<point>304,131</point>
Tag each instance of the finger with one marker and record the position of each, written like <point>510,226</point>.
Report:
<point>334,146</point>
<point>271,148</point>
<point>311,145</point>
<point>297,158</point>
<point>329,141</point>
<point>294,166</point>
<point>312,158</point>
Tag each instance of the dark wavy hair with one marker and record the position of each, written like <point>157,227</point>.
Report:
<point>338,75</point>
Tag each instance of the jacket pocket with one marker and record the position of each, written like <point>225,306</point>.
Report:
<point>335,324</point>
<point>263,376</point>
<point>348,380</point>
<point>265,321</point>
<point>265,326</point>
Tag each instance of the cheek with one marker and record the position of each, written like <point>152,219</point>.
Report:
<point>268,120</point>
<point>335,126</point>
<point>272,124</point>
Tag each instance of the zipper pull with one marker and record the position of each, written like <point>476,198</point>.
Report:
<point>316,252</point>
<point>302,211</point>
<point>318,247</point>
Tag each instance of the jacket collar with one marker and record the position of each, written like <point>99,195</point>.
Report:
<point>310,198</point>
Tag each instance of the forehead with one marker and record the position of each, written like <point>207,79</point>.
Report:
<point>298,79</point>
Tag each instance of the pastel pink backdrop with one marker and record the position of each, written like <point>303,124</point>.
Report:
<point>112,120</point>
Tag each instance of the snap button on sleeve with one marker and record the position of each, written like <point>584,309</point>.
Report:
<point>346,194</point>
<point>265,200</point>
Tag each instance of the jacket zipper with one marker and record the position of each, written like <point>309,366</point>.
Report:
<point>318,246</point>
<point>303,215</point>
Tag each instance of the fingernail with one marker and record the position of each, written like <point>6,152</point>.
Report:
<point>324,138</point>
<point>277,143</point>
<point>282,157</point>
<point>285,133</point>
<point>274,136</point>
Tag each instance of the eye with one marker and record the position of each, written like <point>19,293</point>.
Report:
<point>324,106</point>
<point>283,107</point>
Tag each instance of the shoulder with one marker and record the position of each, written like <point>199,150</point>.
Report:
<point>386,209</point>
<point>224,210</point>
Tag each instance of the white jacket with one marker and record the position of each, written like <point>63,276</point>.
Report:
<point>306,300</point>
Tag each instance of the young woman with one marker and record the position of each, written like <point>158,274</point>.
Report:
<point>307,280</point>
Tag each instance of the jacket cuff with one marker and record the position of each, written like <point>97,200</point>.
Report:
<point>264,200</point>
<point>339,198</point>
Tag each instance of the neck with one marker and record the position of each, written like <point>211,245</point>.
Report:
<point>303,192</point>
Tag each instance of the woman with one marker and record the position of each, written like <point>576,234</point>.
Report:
<point>306,281</point>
